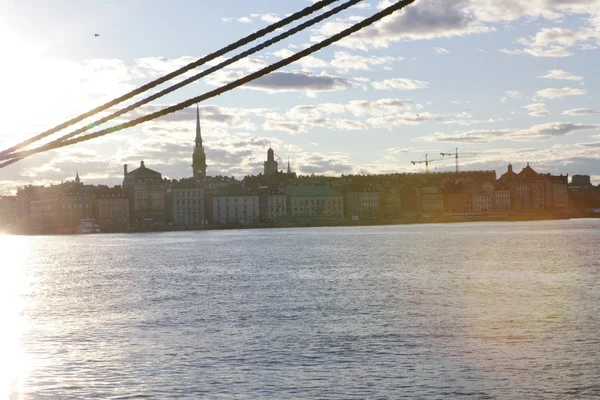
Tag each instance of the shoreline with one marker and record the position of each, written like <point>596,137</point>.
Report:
<point>415,220</point>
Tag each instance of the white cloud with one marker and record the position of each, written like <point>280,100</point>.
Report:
<point>560,74</point>
<point>346,61</point>
<point>510,94</point>
<point>406,118</point>
<point>286,82</point>
<point>281,126</point>
<point>428,19</point>
<point>554,93</point>
<point>268,17</point>
<point>536,132</point>
<point>400,84</point>
<point>441,50</point>
<point>310,62</point>
<point>537,110</point>
<point>581,111</point>
<point>553,42</point>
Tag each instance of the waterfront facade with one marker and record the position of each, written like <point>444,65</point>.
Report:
<point>235,205</point>
<point>501,199</point>
<point>111,207</point>
<point>431,200</point>
<point>146,192</point>
<point>314,202</point>
<point>390,199</point>
<point>187,203</point>
<point>273,205</point>
<point>480,201</point>
<point>531,191</point>
<point>361,202</point>
<point>8,211</point>
<point>76,204</point>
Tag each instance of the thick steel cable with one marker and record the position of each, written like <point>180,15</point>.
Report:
<point>180,106</point>
<point>202,74</point>
<point>144,88</point>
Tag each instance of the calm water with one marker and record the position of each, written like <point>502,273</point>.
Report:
<point>481,310</point>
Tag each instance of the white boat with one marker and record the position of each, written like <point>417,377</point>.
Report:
<point>88,225</point>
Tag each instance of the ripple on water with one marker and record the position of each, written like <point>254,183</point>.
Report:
<point>436,311</point>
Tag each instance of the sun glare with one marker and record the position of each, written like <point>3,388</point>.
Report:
<point>12,286</point>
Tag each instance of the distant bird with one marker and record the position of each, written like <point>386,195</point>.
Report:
<point>96,34</point>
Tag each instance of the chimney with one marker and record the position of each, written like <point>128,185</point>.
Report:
<point>125,169</point>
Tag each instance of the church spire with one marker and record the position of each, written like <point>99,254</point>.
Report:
<point>198,130</point>
<point>289,170</point>
<point>199,157</point>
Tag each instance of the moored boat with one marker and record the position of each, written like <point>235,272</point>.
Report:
<point>88,225</point>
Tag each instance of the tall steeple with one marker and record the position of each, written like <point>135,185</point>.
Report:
<point>199,157</point>
<point>289,170</point>
<point>198,130</point>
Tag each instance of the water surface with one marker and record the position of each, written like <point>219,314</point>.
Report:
<point>475,310</point>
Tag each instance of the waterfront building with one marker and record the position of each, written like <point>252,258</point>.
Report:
<point>273,205</point>
<point>532,191</point>
<point>111,209</point>
<point>501,199</point>
<point>537,190</point>
<point>456,202</point>
<point>479,201</point>
<point>270,166</point>
<point>360,202</point>
<point>582,194</point>
<point>235,205</point>
<point>480,198</point>
<point>390,199</point>
<point>43,206</point>
<point>520,191</point>
<point>76,203</point>
<point>431,200</point>
<point>583,181</point>
<point>8,210</point>
<point>411,201</point>
<point>146,192</point>
<point>187,203</point>
<point>557,191</point>
<point>199,156</point>
<point>55,208</point>
<point>314,202</point>
<point>211,185</point>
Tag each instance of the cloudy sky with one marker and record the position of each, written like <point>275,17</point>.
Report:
<point>501,80</point>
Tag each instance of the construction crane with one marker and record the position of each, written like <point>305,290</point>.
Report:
<point>426,161</point>
<point>456,156</point>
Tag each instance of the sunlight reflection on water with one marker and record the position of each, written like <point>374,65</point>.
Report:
<point>13,362</point>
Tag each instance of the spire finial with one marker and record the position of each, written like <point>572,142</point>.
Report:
<point>198,130</point>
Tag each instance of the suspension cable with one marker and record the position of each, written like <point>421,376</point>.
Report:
<point>202,74</point>
<point>256,35</point>
<point>230,86</point>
